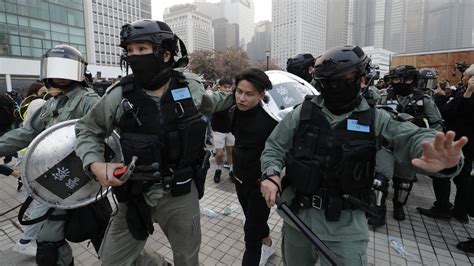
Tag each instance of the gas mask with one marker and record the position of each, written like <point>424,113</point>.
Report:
<point>340,95</point>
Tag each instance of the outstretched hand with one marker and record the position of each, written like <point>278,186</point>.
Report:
<point>443,153</point>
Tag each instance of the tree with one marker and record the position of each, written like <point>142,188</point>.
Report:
<point>232,62</point>
<point>204,63</point>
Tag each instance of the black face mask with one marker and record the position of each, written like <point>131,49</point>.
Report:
<point>148,71</point>
<point>62,87</point>
<point>341,96</point>
<point>402,89</point>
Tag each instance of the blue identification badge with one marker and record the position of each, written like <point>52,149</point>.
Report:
<point>352,125</point>
<point>181,93</point>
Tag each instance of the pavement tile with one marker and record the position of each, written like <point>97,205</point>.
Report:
<point>429,241</point>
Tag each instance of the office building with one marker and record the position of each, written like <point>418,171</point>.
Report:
<point>261,42</point>
<point>28,28</point>
<point>193,27</point>
<point>298,26</point>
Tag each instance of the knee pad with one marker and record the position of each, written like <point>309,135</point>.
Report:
<point>402,188</point>
<point>47,253</point>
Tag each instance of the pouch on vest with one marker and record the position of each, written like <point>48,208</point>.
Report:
<point>191,134</point>
<point>182,181</point>
<point>303,174</point>
<point>360,177</point>
<point>333,208</point>
<point>145,146</point>
<point>302,169</point>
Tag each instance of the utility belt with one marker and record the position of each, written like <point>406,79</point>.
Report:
<point>333,203</point>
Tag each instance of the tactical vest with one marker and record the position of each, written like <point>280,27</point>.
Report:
<point>251,129</point>
<point>170,134</point>
<point>332,162</point>
<point>415,107</point>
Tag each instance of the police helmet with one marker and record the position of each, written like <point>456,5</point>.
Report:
<point>427,78</point>
<point>299,64</point>
<point>339,61</point>
<point>403,73</point>
<point>63,62</point>
<point>155,32</point>
<point>145,30</point>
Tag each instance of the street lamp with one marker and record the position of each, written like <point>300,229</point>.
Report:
<point>267,53</point>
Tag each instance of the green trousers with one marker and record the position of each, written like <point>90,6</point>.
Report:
<point>297,250</point>
<point>53,231</point>
<point>178,217</point>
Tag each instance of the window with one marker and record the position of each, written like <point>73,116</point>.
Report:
<point>58,13</point>
<point>75,18</point>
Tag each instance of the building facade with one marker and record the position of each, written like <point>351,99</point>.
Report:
<point>261,41</point>
<point>298,26</point>
<point>193,27</point>
<point>242,13</point>
<point>380,57</point>
<point>104,19</point>
<point>28,28</point>
<point>226,35</point>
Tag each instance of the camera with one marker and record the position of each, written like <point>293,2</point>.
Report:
<point>461,66</point>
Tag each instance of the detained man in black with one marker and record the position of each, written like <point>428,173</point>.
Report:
<point>251,126</point>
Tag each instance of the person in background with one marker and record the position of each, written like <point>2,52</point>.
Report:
<point>223,138</point>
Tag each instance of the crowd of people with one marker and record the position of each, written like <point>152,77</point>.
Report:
<point>330,159</point>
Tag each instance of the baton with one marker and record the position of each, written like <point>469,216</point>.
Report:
<point>330,256</point>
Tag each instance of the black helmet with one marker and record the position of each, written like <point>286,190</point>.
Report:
<point>63,62</point>
<point>427,79</point>
<point>146,30</point>
<point>155,32</point>
<point>404,72</point>
<point>339,61</point>
<point>399,77</point>
<point>299,64</point>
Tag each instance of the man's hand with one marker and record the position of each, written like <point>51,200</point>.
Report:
<point>269,190</point>
<point>443,153</point>
<point>105,173</point>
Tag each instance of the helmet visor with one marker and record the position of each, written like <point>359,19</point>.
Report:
<point>427,84</point>
<point>62,68</point>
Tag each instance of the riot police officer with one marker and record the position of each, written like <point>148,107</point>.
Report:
<point>427,80</point>
<point>301,65</point>
<point>62,67</point>
<point>328,146</point>
<point>158,113</point>
<point>403,97</point>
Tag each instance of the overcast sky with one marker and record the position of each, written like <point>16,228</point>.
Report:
<point>263,8</point>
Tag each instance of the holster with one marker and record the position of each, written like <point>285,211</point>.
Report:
<point>138,218</point>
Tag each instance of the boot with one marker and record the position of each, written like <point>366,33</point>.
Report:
<point>398,212</point>
<point>379,219</point>
<point>19,184</point>
<point>461,216</point>
<point>435,212</point>
<point>217,176</point>
<point>466,246</point>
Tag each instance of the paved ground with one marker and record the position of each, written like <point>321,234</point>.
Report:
<point>428,241</point>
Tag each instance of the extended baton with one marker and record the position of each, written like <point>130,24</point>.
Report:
<point>330,256</point>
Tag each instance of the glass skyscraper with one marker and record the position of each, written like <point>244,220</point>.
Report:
<point>30,27</point>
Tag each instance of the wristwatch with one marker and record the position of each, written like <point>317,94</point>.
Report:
<point>268,173</point>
